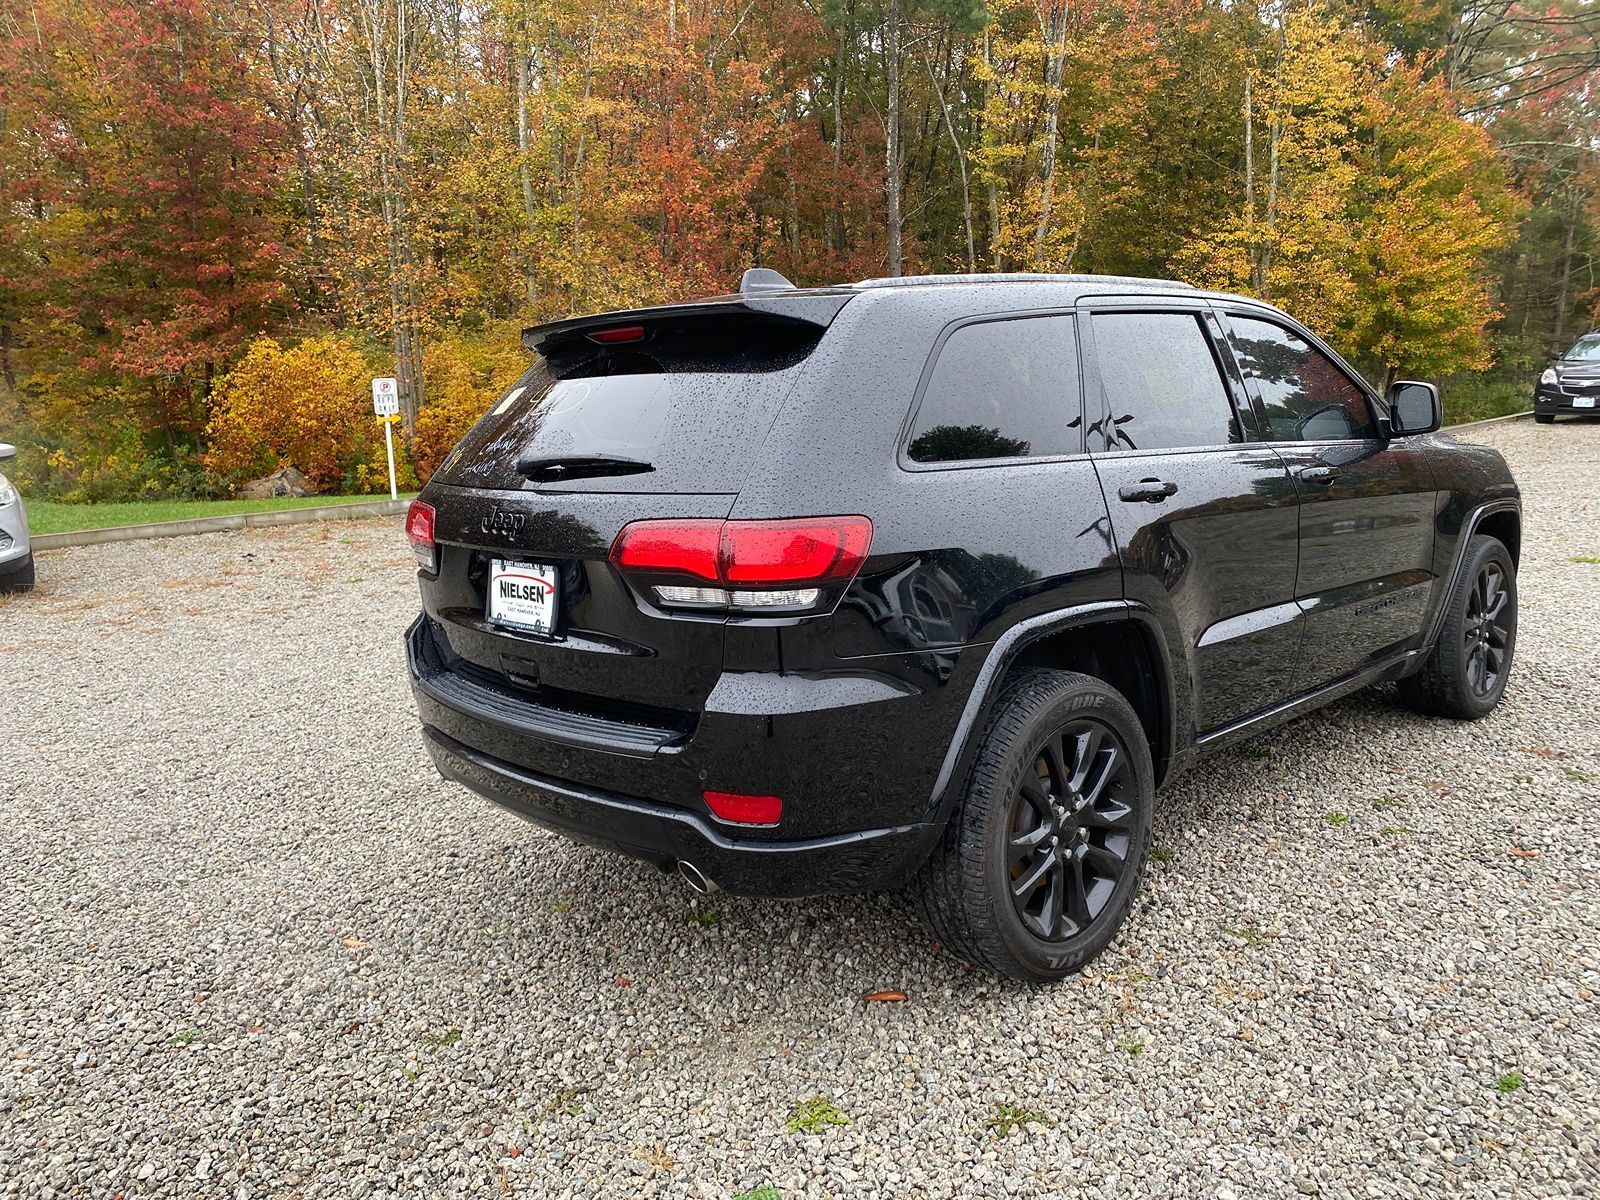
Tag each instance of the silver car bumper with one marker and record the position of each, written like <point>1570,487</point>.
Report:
<point>14,544</point>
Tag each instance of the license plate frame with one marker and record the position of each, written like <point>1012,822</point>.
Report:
<point>522,595</point>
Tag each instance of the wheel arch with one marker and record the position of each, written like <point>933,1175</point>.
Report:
<point>1506,525</point>
<point>1116,641</point>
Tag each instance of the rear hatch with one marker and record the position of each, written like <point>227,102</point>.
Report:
<point>630,416</point>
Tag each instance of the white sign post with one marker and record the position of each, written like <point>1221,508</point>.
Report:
<point>386,405</point>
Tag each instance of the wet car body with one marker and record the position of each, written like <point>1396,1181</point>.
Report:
<point>1278,573</point>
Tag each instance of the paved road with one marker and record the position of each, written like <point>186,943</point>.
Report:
<point>250,946</point>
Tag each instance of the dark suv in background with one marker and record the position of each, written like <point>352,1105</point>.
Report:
<point>1571,384</point>
<point>933,582</point>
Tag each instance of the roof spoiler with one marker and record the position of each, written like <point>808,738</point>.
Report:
<point>764,297</point>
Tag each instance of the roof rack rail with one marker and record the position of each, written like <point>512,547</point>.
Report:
<point>1019,277</point>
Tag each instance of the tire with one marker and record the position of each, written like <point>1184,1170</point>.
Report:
<point>1465,673</point>
<point>1544,418</point>
<point>1060,833</point>
<point>18,579</point>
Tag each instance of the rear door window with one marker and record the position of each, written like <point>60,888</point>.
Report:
<point>1305,395</point>
<point>694,413</point>
<point>1163,389</point>
<point>1001,389</point>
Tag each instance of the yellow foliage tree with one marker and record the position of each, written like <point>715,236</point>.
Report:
<point>1370,209</point>
<point>1435,208</point>
<point>1292,238</point>
<point>306,406</point>
<point>463,378</point>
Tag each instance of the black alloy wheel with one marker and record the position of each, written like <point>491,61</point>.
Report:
<point>1072,830</point>
<point>1040,860</point>
<point>1486,640</point>
<point>1464,673</point>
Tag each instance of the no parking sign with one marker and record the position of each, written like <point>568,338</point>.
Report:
<point>386,406</point>
<point>386,397</point>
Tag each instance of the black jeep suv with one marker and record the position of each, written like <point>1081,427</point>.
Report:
<point>933,582</point>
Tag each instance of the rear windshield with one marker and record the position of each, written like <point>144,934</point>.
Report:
<point>693,413</point>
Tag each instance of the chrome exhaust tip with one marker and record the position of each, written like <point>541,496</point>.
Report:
<point>696,880</point>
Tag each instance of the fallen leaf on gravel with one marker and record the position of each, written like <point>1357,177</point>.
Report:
<point>887,996</point>
<point>257,1028</point>
<point>350,1028</point>
<point>514,1152</point>
<point>1518,852</point>
<point>624,981</point>
<point>355,943</point>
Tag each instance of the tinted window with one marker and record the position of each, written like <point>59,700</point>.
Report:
<point>1307,397</point>
<point>1161,382</point>
<point>1001,389</point>
<point>695,413</point>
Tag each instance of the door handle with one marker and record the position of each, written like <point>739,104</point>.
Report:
<point>1153,490</point>
<point>1322,475</point>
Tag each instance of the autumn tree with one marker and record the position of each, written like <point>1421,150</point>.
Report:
<point>1431,208</point>
<point>173,171</point>
<point>303,406</point>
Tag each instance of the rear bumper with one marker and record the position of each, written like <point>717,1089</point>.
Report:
<point>869,860</point>
<point>846,758</point>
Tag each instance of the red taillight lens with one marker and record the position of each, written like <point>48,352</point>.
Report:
<point>419,528</point>
<point>740,809</point>
<point>772,554</point>
<point>671,547</point>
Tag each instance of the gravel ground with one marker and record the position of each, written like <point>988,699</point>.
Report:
<point>251,946</point>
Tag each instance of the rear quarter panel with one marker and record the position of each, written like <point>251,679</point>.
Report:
<point>959,555</point>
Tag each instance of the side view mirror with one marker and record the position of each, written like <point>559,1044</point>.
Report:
<point>1414,408</point>
<point>7,450</point>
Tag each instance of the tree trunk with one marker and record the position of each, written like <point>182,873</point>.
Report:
<point>1055,32</point>
<point>892,136</point>
<point>961,165</point>
<point>993,188</point>
<point>524,54</point>
<point>7,369</point>
<point>1251,249</point>
<point>1274,135</point>
<point>391,115</point>
<point>577,159</point>
<point>1558,334</point>
<point>835,215</point>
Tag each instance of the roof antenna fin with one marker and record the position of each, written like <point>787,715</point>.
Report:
<point>764,279</point>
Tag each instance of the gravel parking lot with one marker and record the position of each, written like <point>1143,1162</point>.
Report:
<point>251,946</point>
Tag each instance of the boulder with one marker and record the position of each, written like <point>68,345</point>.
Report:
<point>286,481</point>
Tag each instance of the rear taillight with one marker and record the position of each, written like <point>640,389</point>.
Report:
<point>744,566</point>
<point>419,528</point>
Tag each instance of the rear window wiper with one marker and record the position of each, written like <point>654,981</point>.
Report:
<point>555,468</point>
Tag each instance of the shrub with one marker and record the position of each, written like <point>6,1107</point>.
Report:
<point>462,378</point>
<point>307,406</point>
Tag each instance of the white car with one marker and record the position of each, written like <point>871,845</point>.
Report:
<point>16,553</point>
